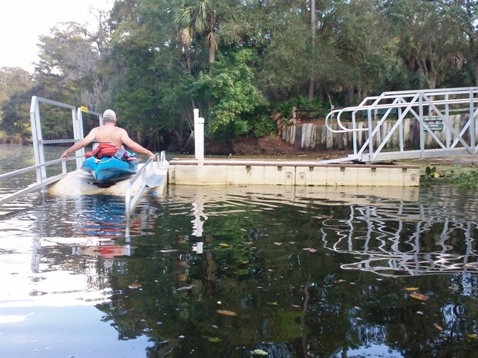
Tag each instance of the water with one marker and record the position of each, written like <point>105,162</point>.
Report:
<point>238,272</point>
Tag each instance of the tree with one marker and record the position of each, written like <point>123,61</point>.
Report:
<point>67,66</point>
<point>429,38</point>
<point>465,13</point>
<point>12,80</point>
<point>198,18</point>
<point>233,93</point>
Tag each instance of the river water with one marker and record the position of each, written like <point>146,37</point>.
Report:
<point>238,272</point>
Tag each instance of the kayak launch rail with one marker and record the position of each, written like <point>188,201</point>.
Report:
<point>152,174</point>
<point>41,182</point>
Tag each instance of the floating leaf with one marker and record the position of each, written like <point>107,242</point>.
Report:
<point>223,245</point>
<point>273,303</point>
<point>419,296</point>
<point>277,243</point>
<point>184,288</point>
<point>411,289</point>
<point>226,313</point>
<point>213,339</point>
<point>440,328</point>
<point>310,249</point>
<point>134,285</point>
<point>259,352</point>
<point>472,335</point>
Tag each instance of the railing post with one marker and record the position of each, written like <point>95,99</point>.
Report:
<point>370,135</point>
<point>77,119</point>
<point>127,202</point>
<point>421,129</point>
<point>198,137</point>
<point>37,139</point>
<point>472,122</point>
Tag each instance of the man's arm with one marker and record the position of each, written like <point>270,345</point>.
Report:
<point>80,144</point>
<point>135,147</point>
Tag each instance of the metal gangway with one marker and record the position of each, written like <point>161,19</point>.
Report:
<point>410,124</point>
<point>49,172</point>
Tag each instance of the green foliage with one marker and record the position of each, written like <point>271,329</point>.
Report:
<point>155,60</point>
<point>233,95</point>
<point>263,126</point>
<point>313,108</point>
<point>466,179</point>
<point>16,116</point>
<point>15,97</point>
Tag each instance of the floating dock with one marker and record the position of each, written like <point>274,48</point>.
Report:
<point>289,173</point>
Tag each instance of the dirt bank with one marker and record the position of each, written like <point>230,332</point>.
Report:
<point>275,147</point>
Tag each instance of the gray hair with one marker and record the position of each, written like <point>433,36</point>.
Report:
<point>109,116</point>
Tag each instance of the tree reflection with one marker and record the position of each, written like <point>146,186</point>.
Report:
<point>308,274</point>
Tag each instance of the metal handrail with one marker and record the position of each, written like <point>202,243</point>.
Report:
<point>38,184</point>
<point>415,104</point>
<point>132,200</point>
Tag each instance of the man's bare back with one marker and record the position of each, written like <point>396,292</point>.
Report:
<point>109,133</point>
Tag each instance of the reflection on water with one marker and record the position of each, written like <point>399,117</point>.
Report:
<point>409,239</point>
<point>243,271</point>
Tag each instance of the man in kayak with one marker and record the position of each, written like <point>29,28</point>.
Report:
<point>109,133</point>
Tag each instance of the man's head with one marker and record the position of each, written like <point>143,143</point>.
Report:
<point>109,116</point>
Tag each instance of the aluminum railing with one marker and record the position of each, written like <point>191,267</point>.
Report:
<point>379,120</point>
<point>150,175</point>
<point>41,182</point>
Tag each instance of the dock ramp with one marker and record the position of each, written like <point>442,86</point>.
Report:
<point>410,124</point>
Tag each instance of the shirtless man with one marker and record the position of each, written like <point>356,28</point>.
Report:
<point>108,133</point>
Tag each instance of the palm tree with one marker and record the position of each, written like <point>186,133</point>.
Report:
<point>198,18</point>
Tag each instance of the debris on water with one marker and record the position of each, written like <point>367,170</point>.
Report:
<point>419,296</point>
<point>227,312</point>
<point>165,251</point>
<point>259,352</point>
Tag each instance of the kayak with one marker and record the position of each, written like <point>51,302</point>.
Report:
<point>110,169</point>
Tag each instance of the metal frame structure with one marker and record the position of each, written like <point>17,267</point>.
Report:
<point>145,177</point>
<point>37,136</point>
<point>433,110</point>
<point>42,179</point>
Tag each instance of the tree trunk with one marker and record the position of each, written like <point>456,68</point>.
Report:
<point>310,96</point>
